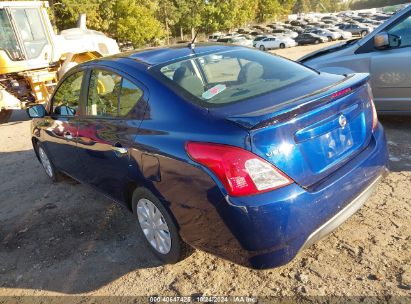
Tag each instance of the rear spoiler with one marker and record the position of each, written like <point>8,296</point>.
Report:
<point>292,108</point>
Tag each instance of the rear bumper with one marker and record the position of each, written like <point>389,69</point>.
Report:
<point>273,227</point>
<point>341,216</point>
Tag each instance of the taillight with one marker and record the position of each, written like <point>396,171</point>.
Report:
<point>240,171</point>
<point>374,111</point>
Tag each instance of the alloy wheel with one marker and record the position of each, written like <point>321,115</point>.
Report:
<point>45,162</point>
<point>154,226</point>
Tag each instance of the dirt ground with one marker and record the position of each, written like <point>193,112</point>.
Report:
<point>67,239</point>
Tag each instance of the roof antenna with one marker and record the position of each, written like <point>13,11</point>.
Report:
<point>192,45</point>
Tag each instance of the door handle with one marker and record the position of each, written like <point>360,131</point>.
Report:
<point>119,150</point>
<point>67,135</point>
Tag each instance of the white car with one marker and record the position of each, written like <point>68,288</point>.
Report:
<point>214,37</point>
<point>275,43</point>
<point>239,40</point>
<point>325,33</point>
<point>344,35</point>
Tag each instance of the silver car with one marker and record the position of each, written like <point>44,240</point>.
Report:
<point>385,54</point>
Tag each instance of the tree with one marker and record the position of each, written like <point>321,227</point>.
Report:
<point>192,12</point>
<point>268,10</point>
<point>67,12</point>
<point>168,14</point>
<point>136,23</point>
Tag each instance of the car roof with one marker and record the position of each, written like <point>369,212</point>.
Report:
<point>160,55</point>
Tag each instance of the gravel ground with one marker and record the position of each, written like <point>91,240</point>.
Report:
<point>67,239</point>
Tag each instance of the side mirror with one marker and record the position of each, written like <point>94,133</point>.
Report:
<point>381,40</point>
<point>384,40</point>
<point>37,111</point>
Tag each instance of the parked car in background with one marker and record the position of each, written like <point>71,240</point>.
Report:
<point>331,36</point>
<point>214,37</point>
<point>344,35</point>
<point>253,158</point>
<point>284,32</point>
<point>258,38</point>
<point>385,54</point>
<point>355,29</point>
<point>310,38</point>
<point>272,42</point>
<point>238,40</point>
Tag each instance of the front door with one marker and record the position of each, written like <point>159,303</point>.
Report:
<point>107,131</point>
<point>60,127</point>
<point>391,69</point>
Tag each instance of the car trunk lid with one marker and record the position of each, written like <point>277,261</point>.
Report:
<point>310,137</point>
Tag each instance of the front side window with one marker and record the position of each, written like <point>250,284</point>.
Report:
<point>224,78</point>
<point>31,30</point>
<point>67,97</point>
<point>402,30</point>
<point>111,95</point>
<point>8,40</point>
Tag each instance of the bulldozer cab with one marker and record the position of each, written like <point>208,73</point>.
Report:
<point>25,36</point>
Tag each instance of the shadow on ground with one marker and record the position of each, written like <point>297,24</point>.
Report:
<point>398,132</point>
<point>62,237</point>
<point>13,116</point>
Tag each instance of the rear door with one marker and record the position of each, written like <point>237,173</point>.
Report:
<point>113,112</point>
<point>60,128</point>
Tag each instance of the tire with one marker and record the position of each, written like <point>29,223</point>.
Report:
<point>48,165</point>
<point>330,38</point>
<point>169,252</point>
<point>316,41</point>
<point>363,33</point>
<point>262,47</point>
<point>282,46</point>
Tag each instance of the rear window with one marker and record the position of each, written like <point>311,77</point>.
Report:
<point>224,78</point>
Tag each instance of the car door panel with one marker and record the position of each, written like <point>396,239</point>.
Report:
<point>107,130</point>
<point>60,135</point>
<point>59,130</point>
<point>391,79</point>
<point>99,142</point>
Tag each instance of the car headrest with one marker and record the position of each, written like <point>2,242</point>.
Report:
<point>192,84</point>
<point>251,71</point>
<point>180,73</point>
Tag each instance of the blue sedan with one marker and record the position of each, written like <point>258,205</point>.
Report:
<point>230,150</point>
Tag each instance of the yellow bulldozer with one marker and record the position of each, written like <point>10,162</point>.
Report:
<point>33,57</point>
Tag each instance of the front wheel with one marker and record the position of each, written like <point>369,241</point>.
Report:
<point>282,45</point>
<point>317,41</point>
<point>262,47</point>
<point>363,33</point>
<point>47,164</point>
<point>330,38</point>
<point>158,227</point>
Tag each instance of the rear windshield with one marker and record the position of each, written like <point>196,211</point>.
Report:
<point>224,78</point>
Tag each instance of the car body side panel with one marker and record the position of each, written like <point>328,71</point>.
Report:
<point>391,79</point>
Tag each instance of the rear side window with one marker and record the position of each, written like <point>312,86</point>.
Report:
<point>130,94</point>
<point>111,95</point>
<point>66,99</point>
<point>223,78</point>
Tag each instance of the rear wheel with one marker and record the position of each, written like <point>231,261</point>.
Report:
<point>363,33</point>
<point>262,47</point>
<point>317,41</point>
<point>282,45</point>
<point>330,38</point>
<point>158,227</point>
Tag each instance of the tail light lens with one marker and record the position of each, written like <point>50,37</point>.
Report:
<point>374,111</point>
<point>240,171</point>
